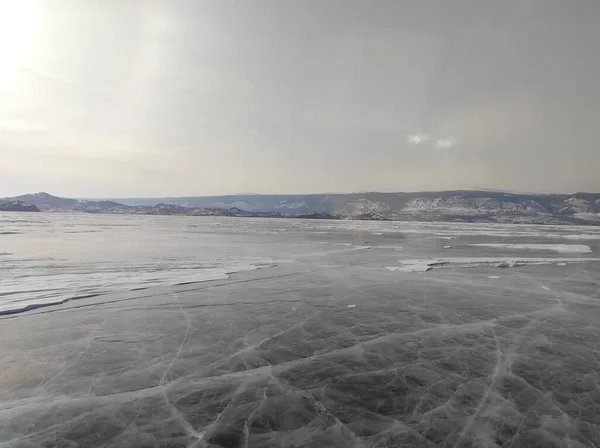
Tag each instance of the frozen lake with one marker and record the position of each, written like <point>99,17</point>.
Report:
<point>140,331</point>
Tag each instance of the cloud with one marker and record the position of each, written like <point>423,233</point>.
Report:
<point>446,142</point>
<point>417,139</point>
<point>420,138</point>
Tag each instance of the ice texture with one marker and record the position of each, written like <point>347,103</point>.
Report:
<point>321,347</point>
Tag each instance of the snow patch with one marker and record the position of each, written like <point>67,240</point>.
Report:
<point>566,248</point>
<point>575,206</point>
<point>362,206</point>
<point>426,265</point>
<point>586,216</point>
<point>583,236</point>
<point>293,205</point>
<point>422,266</point>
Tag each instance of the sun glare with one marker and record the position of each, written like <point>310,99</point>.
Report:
<point>17,36</point>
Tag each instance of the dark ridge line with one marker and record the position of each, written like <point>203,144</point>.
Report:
<point>35,306</point>
<point>13,314</point>
<point>32,307</point>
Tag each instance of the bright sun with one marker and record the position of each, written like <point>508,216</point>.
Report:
<point>17,36</point>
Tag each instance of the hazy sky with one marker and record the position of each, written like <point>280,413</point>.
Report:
<point>157,98</point>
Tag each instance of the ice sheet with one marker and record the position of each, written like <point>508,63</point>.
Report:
<point>330,350</point>
<point>50,258</point>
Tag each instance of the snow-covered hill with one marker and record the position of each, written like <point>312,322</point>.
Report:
<point>460,204</point>
<point>574,205</point>
<point>363,206</point>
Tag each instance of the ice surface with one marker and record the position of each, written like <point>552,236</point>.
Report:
<point>568,248</point>
<point>321,347</point>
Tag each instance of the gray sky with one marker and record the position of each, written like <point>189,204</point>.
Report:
<point>156,98</point>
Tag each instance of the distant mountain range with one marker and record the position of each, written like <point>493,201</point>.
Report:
<point>458,206</point>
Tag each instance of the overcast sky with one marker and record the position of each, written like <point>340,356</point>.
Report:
<point>162,98</point>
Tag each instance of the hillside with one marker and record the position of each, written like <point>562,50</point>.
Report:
<point>17,206</point>
<point>459,206</point>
